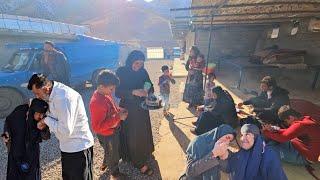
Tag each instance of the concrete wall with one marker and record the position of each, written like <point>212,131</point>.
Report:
<point>229,41</point>
<point>243,41</point>
<point>303,40</point>
<point>190,41</point>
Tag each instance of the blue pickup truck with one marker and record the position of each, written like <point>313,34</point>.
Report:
<point>86,57</point>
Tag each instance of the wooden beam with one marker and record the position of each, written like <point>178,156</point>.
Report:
<point>246,14</point>
<point>246,5</point>
<point>245,21</point>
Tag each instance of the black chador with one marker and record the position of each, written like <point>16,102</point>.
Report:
<point>24,139</point>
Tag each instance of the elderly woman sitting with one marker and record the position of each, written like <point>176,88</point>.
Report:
<point>254,161</point>
<point>200,153</point>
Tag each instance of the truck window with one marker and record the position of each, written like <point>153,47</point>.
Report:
<point>18,62</point>
<point>36,66</point>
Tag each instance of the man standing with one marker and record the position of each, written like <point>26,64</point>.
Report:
<point>54,64</point>
<point>69,122</point>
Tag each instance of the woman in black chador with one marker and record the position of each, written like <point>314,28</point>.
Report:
<point>22,137</point>
<point>136,134</point>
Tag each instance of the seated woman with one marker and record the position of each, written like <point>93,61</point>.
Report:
<point>224,112</point>
<point>254,161</point>
<point>200,149</point>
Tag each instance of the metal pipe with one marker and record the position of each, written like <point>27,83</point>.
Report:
<point>208,55</point>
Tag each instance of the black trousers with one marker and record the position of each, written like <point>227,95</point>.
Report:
<point>111,147</point>
<point>78,165</point>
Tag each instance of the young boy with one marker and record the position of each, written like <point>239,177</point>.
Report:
<point>164,83</point>
<point>106,117</point>
<point>22,136</point>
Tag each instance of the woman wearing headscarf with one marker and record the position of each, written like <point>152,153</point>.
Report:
<point>135,134</point>
<point>254,161</point>
<point>24,137</point>
<point>200,150</point>
<point>193,92</point>
<point>224,112</point>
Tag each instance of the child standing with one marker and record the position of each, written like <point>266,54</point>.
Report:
<point>209,101</point>
<point>164,83</point>
<point>106,117</point>
<point>208,98</point>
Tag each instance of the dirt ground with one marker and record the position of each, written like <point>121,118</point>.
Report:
<point>168,148</point>
<point>50,153</point>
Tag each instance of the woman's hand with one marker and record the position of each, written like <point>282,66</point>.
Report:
<point>123,114</point>
<point>41,124</point>
<point>6,137</point>
<point>140,93</point>
<point>220,149</point>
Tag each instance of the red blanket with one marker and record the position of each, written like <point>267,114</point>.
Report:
<point>306,108</point>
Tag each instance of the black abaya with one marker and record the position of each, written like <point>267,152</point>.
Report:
<point>24,146</point>
<point>136,133</point>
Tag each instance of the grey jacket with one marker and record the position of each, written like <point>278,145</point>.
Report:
<point>57,67</point>
<point>196,168</point>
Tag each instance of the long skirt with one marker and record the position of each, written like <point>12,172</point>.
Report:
<point>136,140</point>
<point>193,92</point>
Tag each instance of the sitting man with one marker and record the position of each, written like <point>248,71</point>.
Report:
<point>300,142</point>
<point>22,136</point>
<point>267,104</point>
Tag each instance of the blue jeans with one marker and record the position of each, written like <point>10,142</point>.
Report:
<point>288,153</point>
<point>165,101</point>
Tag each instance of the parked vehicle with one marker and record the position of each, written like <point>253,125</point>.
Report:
<point>86,57</point>
<point>176,52</point>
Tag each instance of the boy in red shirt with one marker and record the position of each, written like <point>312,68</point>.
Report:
<point>106,118</point>
<point>300,142</point>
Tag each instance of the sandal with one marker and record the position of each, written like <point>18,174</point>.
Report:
<point>103,167</point>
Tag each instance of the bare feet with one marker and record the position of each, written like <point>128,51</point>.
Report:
<point>146,170</point>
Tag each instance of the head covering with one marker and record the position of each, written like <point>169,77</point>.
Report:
<point>134,56</point>
<point>203,144</point>
<point>222,95</point>
<point>38,105</point>
<point>250,128</point>
<point>218,91</point>
<point>32,132</point>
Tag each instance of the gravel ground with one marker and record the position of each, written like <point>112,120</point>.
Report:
<point>50,154</point>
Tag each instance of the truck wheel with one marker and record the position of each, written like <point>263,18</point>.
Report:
<point>9,100</point>
<point>95,76</point>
